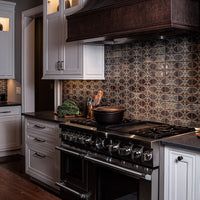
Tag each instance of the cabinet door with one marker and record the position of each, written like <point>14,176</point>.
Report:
<point>10,133</point>
<point>7,45</point>
<point>51,44</point>
<point>180,175</point>
<point>73,59</point>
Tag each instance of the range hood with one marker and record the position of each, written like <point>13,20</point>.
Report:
<point>117,21</point>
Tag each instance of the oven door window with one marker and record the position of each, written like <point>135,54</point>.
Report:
<point>113,185</point>
<point>73,170</point>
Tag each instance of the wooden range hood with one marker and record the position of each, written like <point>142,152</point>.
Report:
<point>106,20</point>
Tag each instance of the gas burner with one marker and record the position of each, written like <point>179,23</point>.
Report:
<point>154,130</point>
<point>146,129</point>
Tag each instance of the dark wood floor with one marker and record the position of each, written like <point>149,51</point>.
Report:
<point>15,185</point>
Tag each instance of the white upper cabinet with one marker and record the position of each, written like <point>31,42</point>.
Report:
<point>68,61</point>
<point>7,16</point>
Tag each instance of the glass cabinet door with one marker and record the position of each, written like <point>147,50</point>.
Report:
<point>4,24</point>
<point>71,3</point>
<point>52,6</point>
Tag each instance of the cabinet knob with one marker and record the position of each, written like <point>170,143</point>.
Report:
<point>180,158</point>
<point>61,65</point>
<point>58,66</point>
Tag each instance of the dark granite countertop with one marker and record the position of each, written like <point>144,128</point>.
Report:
<point>5,103</point>
<point>187,141</point>
<point>47,116</point>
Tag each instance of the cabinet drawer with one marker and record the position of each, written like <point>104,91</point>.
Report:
<point>42,128</point>
<point>10,110</point>
<point>41,143</point>
<point>42,164</point>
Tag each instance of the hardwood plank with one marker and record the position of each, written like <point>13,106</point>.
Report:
<point>14,186</point>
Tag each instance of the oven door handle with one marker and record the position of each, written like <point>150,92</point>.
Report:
<point>132,172</point>
<point>80,195</point>
<point>69,151</point>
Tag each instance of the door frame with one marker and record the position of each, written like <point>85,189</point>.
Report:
<point>28,102</point>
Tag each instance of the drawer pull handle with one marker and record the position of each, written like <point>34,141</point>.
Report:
<point>4,112</point>
<point>80,195</point>
<point>39,140</point>
<point>39,126</point>
<point>39,155</point>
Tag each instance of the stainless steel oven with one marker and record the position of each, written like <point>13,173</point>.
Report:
<point>117,162</point>
<point>91,176</point>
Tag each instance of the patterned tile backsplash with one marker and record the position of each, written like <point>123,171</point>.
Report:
<point>155,80</point>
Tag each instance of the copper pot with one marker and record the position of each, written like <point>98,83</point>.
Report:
<point>108,115</point>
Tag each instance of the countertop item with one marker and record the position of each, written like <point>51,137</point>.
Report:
<point>47,116</point>
<point>108,115</point>
<point>5,103</point>
<point>187,141</point>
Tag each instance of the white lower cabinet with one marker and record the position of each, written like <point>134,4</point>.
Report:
<point>42,160</point>
<point>181,174</point>
<point>10,129</point>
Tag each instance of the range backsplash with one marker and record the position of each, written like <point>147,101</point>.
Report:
<point>154,80</point>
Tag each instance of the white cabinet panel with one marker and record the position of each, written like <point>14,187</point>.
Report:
<point>10,128</point>
<point>7,16</point>
<point>68,61</point>
<point>52,45</point>
<point>42,159</point>
<point>10,133</point>
<point>181,179</point>
<point>42,164</point>
<point>72,58</point>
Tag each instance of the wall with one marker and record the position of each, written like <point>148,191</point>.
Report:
<point>154,80</point>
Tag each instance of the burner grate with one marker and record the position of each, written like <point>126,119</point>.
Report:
<point>162,131</point>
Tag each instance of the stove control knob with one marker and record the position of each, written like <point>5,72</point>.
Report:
<point>147,156</point>
<point>70,138</point>
<point>89,141</point>
<point>125,150</point>
<point>73,138</point>
<point>113,147</point>
<point>106,143</point>
<point>137,153</point>
<point>81,139</point>
<point>98,143</point>
<point>64,136</point>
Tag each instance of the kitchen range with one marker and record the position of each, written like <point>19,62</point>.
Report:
<point>112,162</point>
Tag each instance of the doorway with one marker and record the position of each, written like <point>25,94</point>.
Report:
<point>44,89</point>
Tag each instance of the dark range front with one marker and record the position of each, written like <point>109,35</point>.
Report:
<point>113,185</point>
<point>83,176</point>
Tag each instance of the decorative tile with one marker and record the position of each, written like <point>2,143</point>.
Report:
<point>154,80</point>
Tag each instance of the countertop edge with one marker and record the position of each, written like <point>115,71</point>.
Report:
<point>6,104</point>
<point>45,118</point>
<point>177,145</point>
